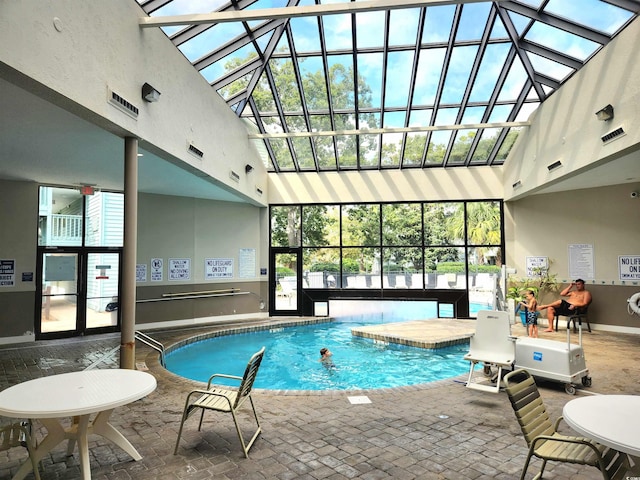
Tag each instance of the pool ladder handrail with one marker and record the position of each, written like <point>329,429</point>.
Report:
<point>150,342</point>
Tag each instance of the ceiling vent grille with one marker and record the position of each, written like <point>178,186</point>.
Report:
<point>617,133</point>
<point>196,151</point>
<point>234,176</point>
<point>124,105</point>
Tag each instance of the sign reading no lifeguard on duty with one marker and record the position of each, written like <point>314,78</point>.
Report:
<point>629,267</point>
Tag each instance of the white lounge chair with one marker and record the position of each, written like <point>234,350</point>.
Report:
<point>401,281</point>
<point>492,345</point>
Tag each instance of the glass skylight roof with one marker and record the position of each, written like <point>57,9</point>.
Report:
<point>435,84</point>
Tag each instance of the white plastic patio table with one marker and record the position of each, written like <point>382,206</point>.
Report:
<point>76,394</point>
<point>611,420</point>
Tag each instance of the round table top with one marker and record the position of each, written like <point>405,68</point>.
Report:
<point>76,393</point>
<point>611,420</point>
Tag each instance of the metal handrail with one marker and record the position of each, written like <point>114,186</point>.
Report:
<point>150,342</point>
<point>192,295</point>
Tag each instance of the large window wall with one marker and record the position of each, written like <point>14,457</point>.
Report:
<point>391,246</point>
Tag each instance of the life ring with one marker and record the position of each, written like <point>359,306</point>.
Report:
<point>634,304</point>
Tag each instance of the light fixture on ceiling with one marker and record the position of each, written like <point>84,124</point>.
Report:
<point>248,168</point>
<point>150,94</point>
<point>605,114</point>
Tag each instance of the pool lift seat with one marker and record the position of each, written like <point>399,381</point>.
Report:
<point>492,345</point>
<point>226,400</point>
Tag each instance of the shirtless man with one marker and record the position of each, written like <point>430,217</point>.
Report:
<point>577,299</point>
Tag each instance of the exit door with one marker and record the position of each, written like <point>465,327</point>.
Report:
<point>285,281</point>
<point>78,289</point>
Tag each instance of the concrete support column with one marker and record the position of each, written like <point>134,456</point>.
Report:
<point>129,255</point>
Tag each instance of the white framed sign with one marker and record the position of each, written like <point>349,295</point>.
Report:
<point>179,269</point>
<point>535,265</point>
<point>157,269</point>
<point>629,267</point>
<point>581,261</point>
<point>218,268</point>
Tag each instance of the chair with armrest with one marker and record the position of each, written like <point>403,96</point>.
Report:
<point>16,435</point>
<point>546,443</point>
<point>580,315</point>
<point>226,400</point>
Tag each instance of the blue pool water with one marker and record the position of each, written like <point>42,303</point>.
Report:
<point>292,355</point>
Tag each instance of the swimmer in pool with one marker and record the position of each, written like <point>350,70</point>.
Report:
<point>325,357</point>
<point>325,354</point>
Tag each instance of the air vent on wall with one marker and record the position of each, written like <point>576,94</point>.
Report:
<point>234,176</point>
<point>617,133</point>
<point>554,165</point>
<point>195,151</point>
<point>122,104</point>
<point>258,190</point>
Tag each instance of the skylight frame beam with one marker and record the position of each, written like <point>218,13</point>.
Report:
<point>493,101</point>
<point>191,31</point>
<point>303,99</point>
<point>473,74</point>
<point>412,82</point>
<point>455,24</point>
<point>515,42</point>
<point>552,55</point>
<point>235,44</point>
<point>557,22</point>
<point>289,12</point>
<point>383,93</point>
<point>268,53</point>
<point>375,131</point>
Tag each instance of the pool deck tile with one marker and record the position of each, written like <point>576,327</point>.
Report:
<point>429,333</point>
<point>435,431</point>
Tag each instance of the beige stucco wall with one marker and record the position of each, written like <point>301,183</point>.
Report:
<point>606,218</point>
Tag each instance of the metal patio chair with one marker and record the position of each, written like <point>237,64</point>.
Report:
<point>226,400</point>
<point>546,443</point>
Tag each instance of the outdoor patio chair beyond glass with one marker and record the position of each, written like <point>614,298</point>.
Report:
<point>546,443</point>
<point>226,400</point>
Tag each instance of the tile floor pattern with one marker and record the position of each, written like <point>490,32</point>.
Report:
<point>435,431</point>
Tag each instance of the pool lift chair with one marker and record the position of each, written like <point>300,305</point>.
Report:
<point>226,400</point>
<point>546,443</point>
<point>492,345</point>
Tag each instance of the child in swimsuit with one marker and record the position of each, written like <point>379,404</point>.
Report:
<point>531,306</point>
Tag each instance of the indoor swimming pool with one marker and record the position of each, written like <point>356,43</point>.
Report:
<point>292,355</point>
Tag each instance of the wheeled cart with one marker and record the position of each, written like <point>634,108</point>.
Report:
<point>553,360</point>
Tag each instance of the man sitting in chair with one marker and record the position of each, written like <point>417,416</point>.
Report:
<point>576,299</point>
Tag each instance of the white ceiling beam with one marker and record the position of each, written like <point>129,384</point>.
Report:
<point>289,12</point>
<point>376,131</point>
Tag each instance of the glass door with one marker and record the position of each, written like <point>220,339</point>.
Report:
<point>285,284</point>
<point>103,279</point>
<point>78,291</point>
<point>60,292</point>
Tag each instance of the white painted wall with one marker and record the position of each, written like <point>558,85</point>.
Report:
<point>387,185</point>
<point>80,49</point>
